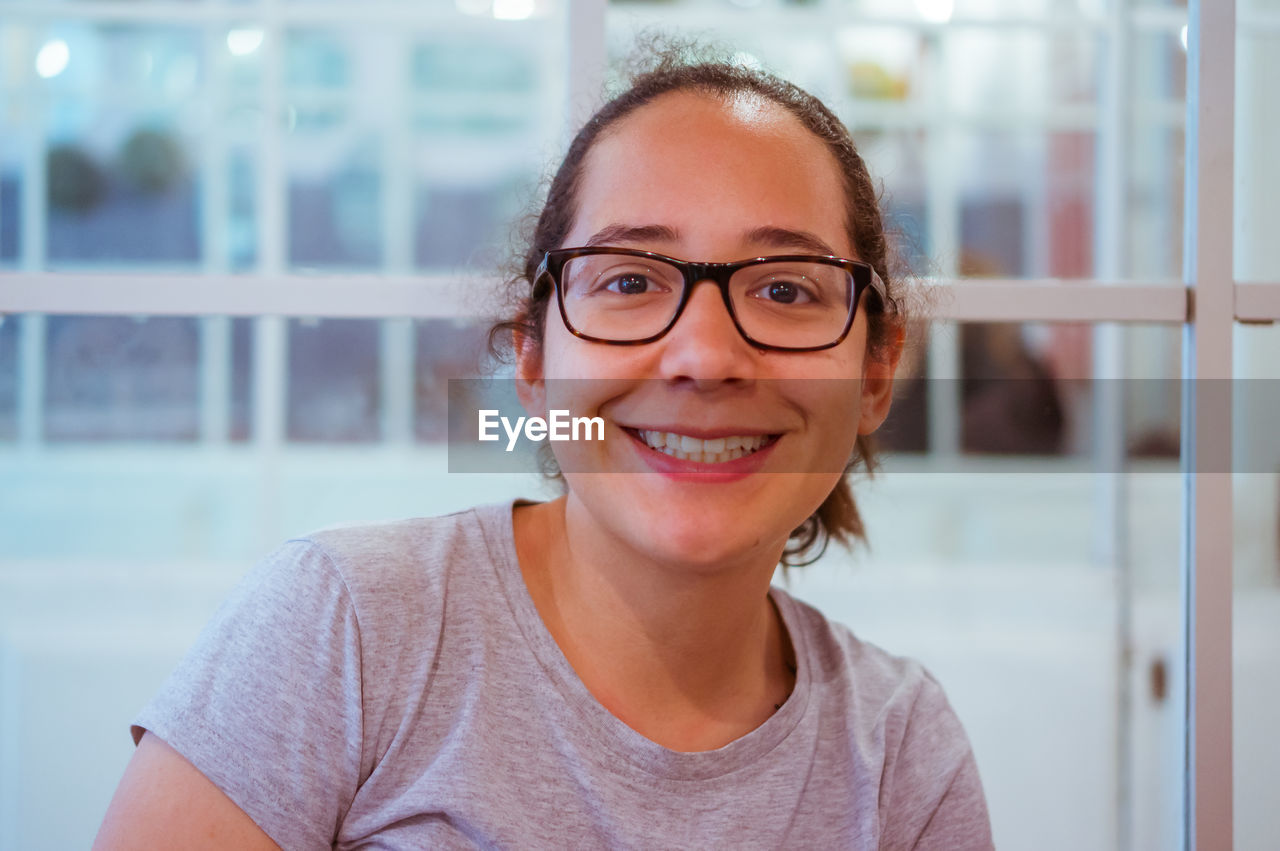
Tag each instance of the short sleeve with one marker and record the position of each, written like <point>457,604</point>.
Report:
<point>267,704</point>
<point>931,795</point>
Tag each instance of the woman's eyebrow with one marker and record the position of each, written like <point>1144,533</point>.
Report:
<point>786,238</point>
<point>767,235</point>
<point>613,234</point>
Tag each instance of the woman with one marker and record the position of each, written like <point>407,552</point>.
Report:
<point>610,668</point>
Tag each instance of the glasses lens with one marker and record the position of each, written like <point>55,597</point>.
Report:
<point>792,304</point>
<point>620,297</point>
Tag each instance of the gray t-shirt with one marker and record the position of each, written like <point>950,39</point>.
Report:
<point>393,686</point>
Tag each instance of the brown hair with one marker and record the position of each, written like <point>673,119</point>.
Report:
<point>838,516</point>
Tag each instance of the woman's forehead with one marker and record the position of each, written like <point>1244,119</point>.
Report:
<point>688,160</point>
<point>731,126</point>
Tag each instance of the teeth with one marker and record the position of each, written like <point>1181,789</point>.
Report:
<point>715,451</point>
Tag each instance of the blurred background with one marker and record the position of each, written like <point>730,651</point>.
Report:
<point>1026,525</point>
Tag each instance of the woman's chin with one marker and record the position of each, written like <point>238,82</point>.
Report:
<point>700,541</point>
<point>698,526</point>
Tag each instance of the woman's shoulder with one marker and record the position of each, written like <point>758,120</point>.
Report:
<point>901,731</point>
<point>384,572</point>
<point>401,555</point>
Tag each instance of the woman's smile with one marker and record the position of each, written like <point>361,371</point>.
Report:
<point>706,460</point>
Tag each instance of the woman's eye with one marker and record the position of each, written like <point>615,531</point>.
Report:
<point>784,292</point>
<point>629,284</point>
<point>623,280</point>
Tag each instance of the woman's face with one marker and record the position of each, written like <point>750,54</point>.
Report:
<point>707,179</point>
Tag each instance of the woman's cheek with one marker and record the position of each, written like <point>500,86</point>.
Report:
<point>835,406</point>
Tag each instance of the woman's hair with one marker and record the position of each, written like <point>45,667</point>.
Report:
<point>673,71</point>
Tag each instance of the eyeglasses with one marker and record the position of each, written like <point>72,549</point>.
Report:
<point>793,303</point>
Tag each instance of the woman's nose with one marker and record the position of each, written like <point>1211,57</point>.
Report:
<point>704,345</point>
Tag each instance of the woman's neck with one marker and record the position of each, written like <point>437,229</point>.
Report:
<point>690,658</point>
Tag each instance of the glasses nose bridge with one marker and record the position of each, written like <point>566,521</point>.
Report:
<point>716,273</point>
<point>713,273</point>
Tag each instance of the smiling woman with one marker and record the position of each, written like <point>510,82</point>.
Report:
<point>611,668</point>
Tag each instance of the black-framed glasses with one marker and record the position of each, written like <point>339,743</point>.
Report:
<point>793,302</point>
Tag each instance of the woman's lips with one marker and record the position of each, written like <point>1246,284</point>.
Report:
<point>709,459</point>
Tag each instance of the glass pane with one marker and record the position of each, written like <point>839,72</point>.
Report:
<point>884,66</point>
<point>1053,68</point>
<point>482,118</point>
<point>334,219</point>
<point>475,108</point>
<point>147,138</point>
<point>1159,69</point>
<point>8,377</point>
<point>1026,204</point>
<point>997,9</point>
<point>10,170</point>
<point>240,423</point>
<point>1256,604</point>
<point>942,10</point>
<point>242,212</point>
<point>443,350</point>
<point>113,378</point>
<point>1019,384</point>
<point>334,159</point>
<point>1257,168</point>
<point>1153,229</point>
<point>141,208</point>
<point>463,226</point>
<point>1028,390</point>
<point>119,393</point>
<point>1155,160</point>
<point>122,122</point>
<point>333,380</point>
<point>468,118</point>
<point>899,158</point>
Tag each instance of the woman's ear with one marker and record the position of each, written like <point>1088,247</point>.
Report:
<point>530,386</point>
<point>877,380</point>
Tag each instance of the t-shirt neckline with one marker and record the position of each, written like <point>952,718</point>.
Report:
<point>606,729</point>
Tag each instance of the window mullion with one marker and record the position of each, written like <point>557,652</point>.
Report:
<point>942,206</point>
<point>270,340</point>
<point>215,331</point>
<point>1206,432</point>
<point>1111,510</point>
<point>586,61</point>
